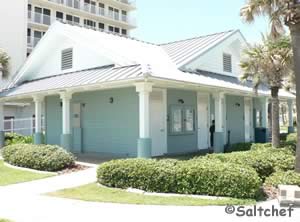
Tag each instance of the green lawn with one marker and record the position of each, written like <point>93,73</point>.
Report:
<point>11,176</point>
<point>95,193</point>
<point>5,220</point>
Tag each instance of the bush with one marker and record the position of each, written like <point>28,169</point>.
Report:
<point>261,146</point>
<point>38,157</point>
<point>14,138</point>
<point>239,147</point>
<point>263,159</point>
<point>285,178</point>
<point>292,137</point>
<point>184,177</point>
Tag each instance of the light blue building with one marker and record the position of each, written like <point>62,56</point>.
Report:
<point>107,94</point>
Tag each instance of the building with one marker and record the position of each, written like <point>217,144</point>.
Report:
<point>109,94</point>
<point>30,19</point>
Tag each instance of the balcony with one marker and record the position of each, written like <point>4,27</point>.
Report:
<point>39,18</point>
<point>98,11</point>
<point>32,42</point>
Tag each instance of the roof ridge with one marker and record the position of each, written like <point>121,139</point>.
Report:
<point>198,37</point>
<point>108,32</point>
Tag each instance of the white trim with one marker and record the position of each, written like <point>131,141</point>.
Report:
<point>203,94</point>
<point>219,111</point>
<point>144,90</point>
<point>66,125</point>
<point>1,116</point>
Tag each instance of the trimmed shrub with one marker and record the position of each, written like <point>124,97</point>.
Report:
<point>14,138</point>
<point>38,157</point>
<point>292,137</point>
<point>239,147</point>
<point>261,146</point>
<point>184,177</point>
<point>285,178</point>
<point>263,159</point>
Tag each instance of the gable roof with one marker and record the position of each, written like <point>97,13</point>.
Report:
<point>121,50</point>
<point>183,51</point>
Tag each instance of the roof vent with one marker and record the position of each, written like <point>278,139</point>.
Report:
<point>67,59</point>
<point>227,62</point>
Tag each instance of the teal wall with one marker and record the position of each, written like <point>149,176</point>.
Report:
<point>109,127</point>
<point>53,120</point>
<point>186,142</point>
<point>235,112</point>
<point>106,128</point>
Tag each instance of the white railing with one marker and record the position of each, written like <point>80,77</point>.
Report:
<point>93,9</point>
<point>23,126</point>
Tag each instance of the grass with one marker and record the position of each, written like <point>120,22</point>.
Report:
<point>95,193</point>
<point>5,220</point>
<point>12,176</point>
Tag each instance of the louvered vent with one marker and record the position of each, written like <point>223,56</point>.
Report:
<point>67,59</point>
<point>227,63</point>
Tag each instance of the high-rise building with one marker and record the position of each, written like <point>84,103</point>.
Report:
<point>24,22</point>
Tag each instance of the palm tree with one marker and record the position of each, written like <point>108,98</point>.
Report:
<point>269,63</point>
<point>4,63</point>
<point>281,12</point>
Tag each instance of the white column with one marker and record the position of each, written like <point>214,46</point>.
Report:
<point>66,97</point>
<point>144,90</point>
<point>265,105</point>
<point>38,101</point>
<point>219,112</point>
<point>290,110</point>
<point>1,116</point>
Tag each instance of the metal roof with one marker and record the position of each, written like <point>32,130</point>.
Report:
<point>76,79</point>
<point>184,51</point>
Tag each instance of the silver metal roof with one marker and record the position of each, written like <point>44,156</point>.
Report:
<point>76,79</point>
<point>186,50</point>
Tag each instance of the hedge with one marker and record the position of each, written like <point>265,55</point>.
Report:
<point>292,137</point>
<point>238,147</point>
<point>184,177</point>
<point>285,178</point>
<point>38,157</point>
<point>14,138</point>
<point>263,159</point>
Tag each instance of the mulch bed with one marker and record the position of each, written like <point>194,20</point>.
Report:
<point>73,169</point>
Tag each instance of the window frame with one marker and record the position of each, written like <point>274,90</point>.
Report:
<point>183,120</point>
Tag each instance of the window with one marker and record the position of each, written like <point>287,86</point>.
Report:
<point>89,23</point>
<point>117,30</point>
<point>182,120</point>
<point>60,16</point>
<point>101,26</point>
<point>67,59</point>
<point>110,28</point>
<point>29,11</point>
<point>124,32</point>
<point>227,62</point>
<point>101,9</point>
<point>72,19</point>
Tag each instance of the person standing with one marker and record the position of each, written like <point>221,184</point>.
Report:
<point>212,132</point>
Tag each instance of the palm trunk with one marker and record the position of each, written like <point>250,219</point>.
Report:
<point>295,33</point>
<point>275,117</point>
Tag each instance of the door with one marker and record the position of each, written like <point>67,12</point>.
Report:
<point>158,122</point>
<point>247,120</point>
<point>235,124</point>
<point>203,121</point>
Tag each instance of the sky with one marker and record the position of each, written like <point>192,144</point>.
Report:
<point>161,21</point>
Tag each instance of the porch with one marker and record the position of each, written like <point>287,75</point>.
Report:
<point>147,119</point>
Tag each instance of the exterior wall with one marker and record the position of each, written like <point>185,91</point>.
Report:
<point>235,123</point>
<point>212,60</point>
<point>81,60</point>
<point>107,128</point>
<point>186,142</point>
<point>13,31</point>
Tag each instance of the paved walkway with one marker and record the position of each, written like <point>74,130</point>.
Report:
<point>25,203</point>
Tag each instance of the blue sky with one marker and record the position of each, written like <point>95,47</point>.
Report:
<point>162,21</point>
